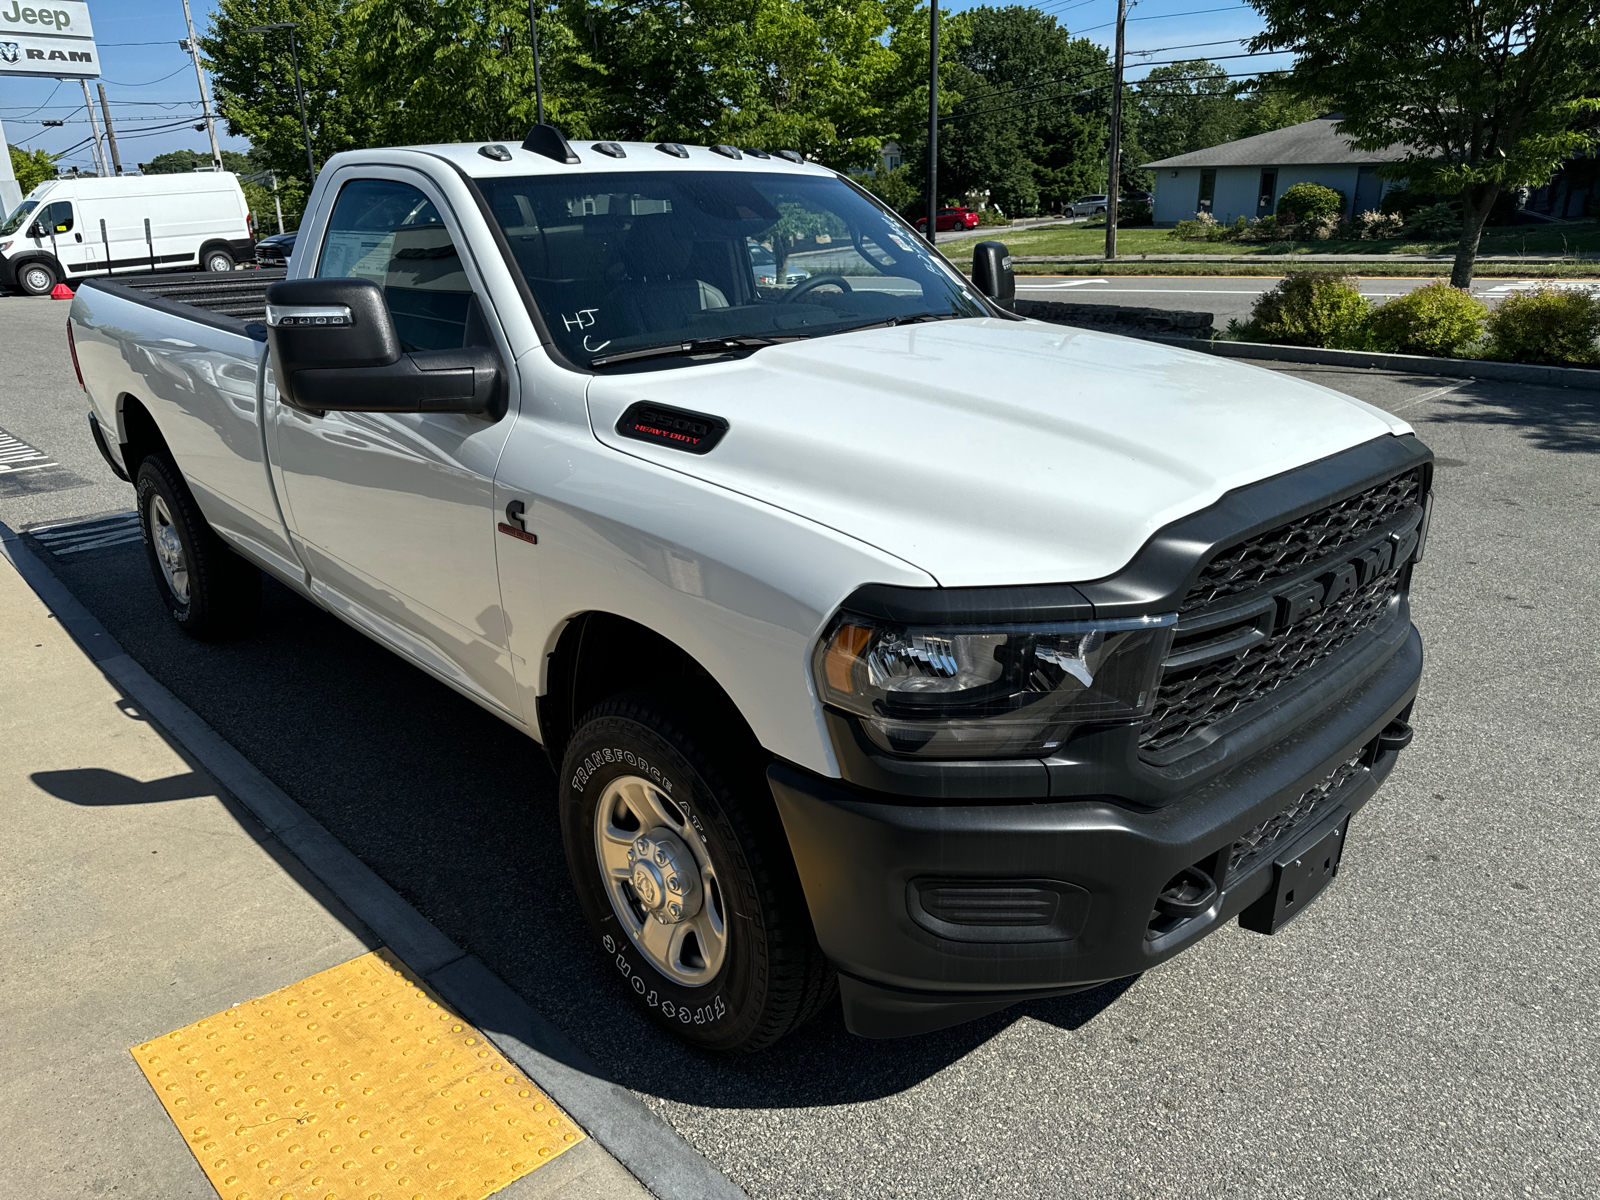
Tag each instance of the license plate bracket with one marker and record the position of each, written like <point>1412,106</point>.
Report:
<point>1299,875</point>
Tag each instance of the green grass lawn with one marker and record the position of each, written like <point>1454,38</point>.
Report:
<point>1566,238</point>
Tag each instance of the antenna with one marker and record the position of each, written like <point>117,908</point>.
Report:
<point>538,87</point>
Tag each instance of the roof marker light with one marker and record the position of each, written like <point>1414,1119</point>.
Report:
<point>497,152</point>
<point>793,156</point>
<point>758,154</point>
<point>726,151</point>
<point>673,148</point>
<point>609,149</point>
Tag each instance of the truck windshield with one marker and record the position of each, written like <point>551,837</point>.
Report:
<point>625,262</point>
<point>18,216</point>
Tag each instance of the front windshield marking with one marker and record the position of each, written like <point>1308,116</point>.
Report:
<point>627,261</point>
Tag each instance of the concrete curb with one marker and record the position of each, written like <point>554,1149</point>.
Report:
<point>1415,364</point>
<point>634,1135</point>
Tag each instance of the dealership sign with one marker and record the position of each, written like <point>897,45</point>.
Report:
<point>54,40</point>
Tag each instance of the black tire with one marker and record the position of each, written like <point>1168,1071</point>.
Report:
<point>216,259</point>
<point>772,975</point>
<point>218,593</point>
<point>37,278</point>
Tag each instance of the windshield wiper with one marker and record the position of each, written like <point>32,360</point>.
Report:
<point>709,345</point>
<point>910,319</point>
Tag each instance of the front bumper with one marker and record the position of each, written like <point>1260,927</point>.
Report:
<point>863,858</point>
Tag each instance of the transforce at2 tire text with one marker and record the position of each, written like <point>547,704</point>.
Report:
<point>681,867</point>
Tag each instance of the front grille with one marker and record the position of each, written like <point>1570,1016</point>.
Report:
<point>1261,841</point>
<point>1308,539</point>
<point>1189,699</point>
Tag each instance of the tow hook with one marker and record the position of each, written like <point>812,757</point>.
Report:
<point>1396,735</point>
<point>1188,894</point>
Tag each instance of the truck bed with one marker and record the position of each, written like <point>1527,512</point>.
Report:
<point>239,295</point>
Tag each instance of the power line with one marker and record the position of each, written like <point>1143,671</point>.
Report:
<point>1199,12</point>
<point>1038,100</point>
<point>1193,46</point>
<point>147,82</point>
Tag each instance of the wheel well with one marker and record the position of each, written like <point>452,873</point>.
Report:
<point>141,436</point>
<point>600,655</point>
<point>213,244</point>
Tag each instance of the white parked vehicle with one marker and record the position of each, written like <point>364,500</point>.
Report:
<point>878,635</point>
<point>68,229</point>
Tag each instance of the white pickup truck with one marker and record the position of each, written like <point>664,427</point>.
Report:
<point>879,637</point>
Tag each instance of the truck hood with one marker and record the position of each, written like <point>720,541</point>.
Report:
<point>989,451</point>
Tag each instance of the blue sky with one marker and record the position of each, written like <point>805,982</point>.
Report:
<point>152,88</point>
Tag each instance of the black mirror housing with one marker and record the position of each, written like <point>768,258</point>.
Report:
<point>334,348</point>
<point>992,274</point>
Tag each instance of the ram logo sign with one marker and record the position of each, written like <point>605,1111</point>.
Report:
<point>49,39</point>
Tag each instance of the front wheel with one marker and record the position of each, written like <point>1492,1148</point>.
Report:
<point>209,590</point>
<point>218,260</point>
<point>37,278</point>
<point>680,864</point>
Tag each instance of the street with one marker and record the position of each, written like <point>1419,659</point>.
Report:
<point>1427,1029</point>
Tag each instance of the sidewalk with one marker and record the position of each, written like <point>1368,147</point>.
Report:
<point>139,899</point>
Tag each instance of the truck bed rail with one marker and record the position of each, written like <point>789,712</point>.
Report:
<point>239,294</point>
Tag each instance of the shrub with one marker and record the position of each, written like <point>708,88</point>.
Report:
<point>1317,229</point>
<point>1307,200</point>
<point>1434,319</point>
<point>1547,324</point>
<point>1312,308</point>
<point>990,216</point>
<point>1376,224</point>
<point>1435,222</point>
<point>1135,212</point>
<point>1262,229</point>
<point>1197,230</point>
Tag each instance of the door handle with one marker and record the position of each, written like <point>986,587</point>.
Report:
<point>79,236</point>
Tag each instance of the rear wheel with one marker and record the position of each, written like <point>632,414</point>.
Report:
<point>210,591</point>
<point>682,869</point>
<point>37,278</point>
<point>218,260</point>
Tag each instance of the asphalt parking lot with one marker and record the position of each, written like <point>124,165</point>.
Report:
<point>1427,1029</point>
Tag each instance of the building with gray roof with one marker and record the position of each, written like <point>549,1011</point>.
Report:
<point>1246,177</point>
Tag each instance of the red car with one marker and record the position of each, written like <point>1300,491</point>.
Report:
<point>952,218</point>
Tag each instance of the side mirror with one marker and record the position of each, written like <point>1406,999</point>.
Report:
<point>37,230</point>
<point>334,349</point>
<point>991,272</point>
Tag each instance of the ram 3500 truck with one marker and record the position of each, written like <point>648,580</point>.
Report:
<point>878,636</point>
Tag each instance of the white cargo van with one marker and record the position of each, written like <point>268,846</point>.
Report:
<point>70,228</point>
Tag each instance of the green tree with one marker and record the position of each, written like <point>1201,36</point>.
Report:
<point>181,162</point>
<point>1486,94</point>
<point>254,84</point>
<point>32,167</point>
<point>1187,106</point>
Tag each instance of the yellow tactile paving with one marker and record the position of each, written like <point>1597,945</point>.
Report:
<point>355,1084</point>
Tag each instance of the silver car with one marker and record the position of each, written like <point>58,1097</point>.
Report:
<point>1087,206</point>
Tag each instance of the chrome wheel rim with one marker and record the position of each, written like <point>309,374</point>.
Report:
<point>219,264</point>
<point>169,549</point>
<point>660,880</point>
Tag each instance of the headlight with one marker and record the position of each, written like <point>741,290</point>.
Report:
<point>4,246</point>
<point>1000,691</point>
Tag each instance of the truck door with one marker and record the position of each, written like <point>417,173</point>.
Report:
<point>393,512</point>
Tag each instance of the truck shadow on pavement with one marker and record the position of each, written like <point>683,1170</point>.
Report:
<point>457,812</point>
<point>1566,420</point>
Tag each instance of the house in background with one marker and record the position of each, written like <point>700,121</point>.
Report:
<point>1246,177</point>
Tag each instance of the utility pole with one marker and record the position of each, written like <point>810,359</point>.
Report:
<point>111,133</point>
<point>277,205</point>
<point>933,122</point>
<point>193,47</point>
<point>299,96</point>
<point>94,128</point>
<point>1116,135</point>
